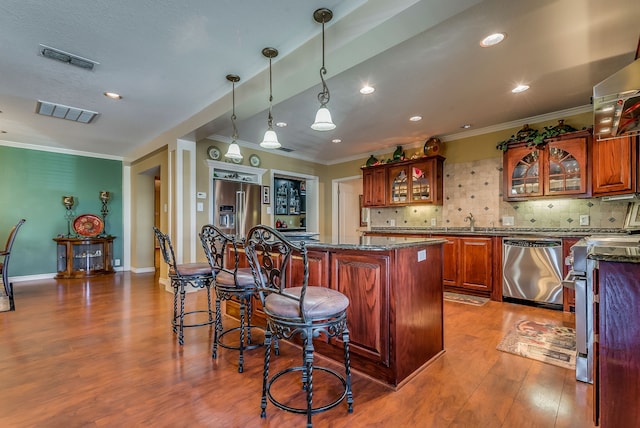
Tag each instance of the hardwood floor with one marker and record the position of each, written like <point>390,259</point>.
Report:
<point>101,353</point>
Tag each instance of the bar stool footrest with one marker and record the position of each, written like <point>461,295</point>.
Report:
<point>314,410</point>
<point>248,347</point>
<point>212,314</point>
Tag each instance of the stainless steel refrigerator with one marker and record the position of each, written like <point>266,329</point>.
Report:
<point>236,206</point>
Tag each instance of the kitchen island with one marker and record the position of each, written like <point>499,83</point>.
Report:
<point>394,286</point>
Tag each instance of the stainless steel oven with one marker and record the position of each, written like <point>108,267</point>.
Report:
<point>581,279</point>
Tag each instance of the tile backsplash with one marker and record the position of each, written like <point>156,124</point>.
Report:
<point>476,188</point>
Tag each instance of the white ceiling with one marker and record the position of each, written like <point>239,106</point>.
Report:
<point>168,59</point>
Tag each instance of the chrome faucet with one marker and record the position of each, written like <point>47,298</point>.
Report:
<point>471,219</point>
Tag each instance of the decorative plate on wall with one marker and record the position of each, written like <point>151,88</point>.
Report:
<point>213,152</point>
<point>88,225</point>
<point>254,160</point>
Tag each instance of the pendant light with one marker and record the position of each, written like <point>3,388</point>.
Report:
<point>234,148</point>
<point>323,120</point>
<point>270,140</point>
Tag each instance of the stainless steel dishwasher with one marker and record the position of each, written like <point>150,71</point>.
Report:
<point>532,271</point>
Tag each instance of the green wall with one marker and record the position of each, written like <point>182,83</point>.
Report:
<point>35,182</point>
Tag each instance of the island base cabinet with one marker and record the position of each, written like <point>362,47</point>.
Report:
<point>395,316</point>
<point>364,280</point>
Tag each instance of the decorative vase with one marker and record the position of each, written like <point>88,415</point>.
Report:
<point>398,154</point>
<point>371,161</point>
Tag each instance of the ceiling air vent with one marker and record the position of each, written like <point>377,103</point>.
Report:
<point>66,57</point>
<point>284,149</point>
<point>65,112</point>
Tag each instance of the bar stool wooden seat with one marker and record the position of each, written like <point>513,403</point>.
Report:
<point>296,310</point>
<point>231,283</point>
<point>197,275</point>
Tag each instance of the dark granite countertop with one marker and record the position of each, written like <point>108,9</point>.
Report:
<point>624,254</point>
<point>370,243</point>
<point>504,231</point>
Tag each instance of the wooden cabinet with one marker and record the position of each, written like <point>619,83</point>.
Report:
<point>615,166</point>
<point>470,264</point>
<point>617,364</point>
<point>364,279</point>
<point>467,264</point>
<point>411,182</point>
<point>374,186</point>
<point>395,305</point>
<point>84,257</point>
<point>558,168</point>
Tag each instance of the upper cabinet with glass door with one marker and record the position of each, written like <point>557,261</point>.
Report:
<point>415,182</point>
<point>557,168</point>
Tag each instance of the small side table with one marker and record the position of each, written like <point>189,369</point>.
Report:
<point>84,257</point>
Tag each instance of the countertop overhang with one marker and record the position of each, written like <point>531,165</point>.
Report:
<point>371,243</point>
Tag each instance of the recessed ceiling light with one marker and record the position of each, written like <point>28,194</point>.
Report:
<point>366,90</point>
<point>465,126</point>
<point>415,118</point>
<point>113,95</point>
<point>281,124</point>
<point>336,140</point>
<point>492,39</point>
<point>520,88</point>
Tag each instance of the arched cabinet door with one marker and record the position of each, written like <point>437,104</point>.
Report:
<point>398,177</point>
<point>522,173</point>
<point>566,167</point>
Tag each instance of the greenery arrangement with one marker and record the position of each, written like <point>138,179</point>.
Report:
<point>533,137</point>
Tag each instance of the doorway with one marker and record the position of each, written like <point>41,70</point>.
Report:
<point>346,215</point>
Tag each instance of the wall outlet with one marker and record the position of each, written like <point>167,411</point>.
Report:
<point>116,262</point>
<point>507,220</point>
<point>584,220</point>
<point>422,255</point>
<point>392,222</point>
<point>433,222</point>
<point>199,206</point>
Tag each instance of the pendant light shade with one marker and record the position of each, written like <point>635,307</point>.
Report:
<point>270,140</point>
<point>234,149</point>
<point>323,120</point>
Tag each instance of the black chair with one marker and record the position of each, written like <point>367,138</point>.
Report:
<point>296,310</point>
<point>230,283</point>
<point>4,264</point>
<point>198,275</point>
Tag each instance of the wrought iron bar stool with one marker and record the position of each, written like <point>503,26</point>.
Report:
<point>232,283</point>
<point>5,255</point>
<point>296,310</point>
<point>198,275</point>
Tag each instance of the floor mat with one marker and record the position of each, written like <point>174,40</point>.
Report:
<point>549,343</point>
<point>464,298</point>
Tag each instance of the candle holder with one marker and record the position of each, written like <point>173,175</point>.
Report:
<point>104,198</point>
<point>68,202</point>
